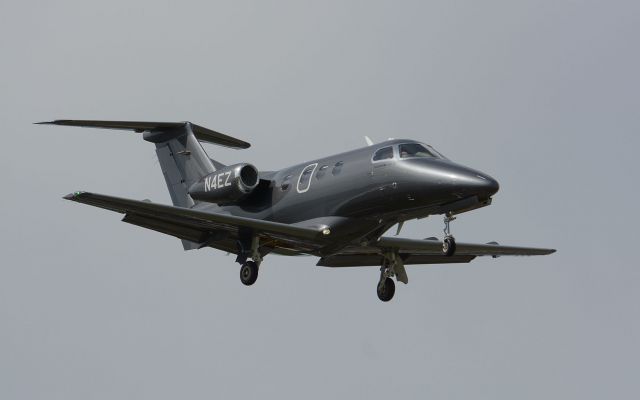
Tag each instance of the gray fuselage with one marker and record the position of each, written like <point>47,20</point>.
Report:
<point>353,185</point>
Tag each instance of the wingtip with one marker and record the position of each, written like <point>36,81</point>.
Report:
<point>546,252</point>
<point>73,195</point>
<point>54,122</point>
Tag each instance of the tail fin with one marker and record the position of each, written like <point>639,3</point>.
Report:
<point>182,158</point>
<point>183,161</point>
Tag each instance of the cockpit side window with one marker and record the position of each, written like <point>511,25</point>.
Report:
<point>384,153</point>
<point>411,150</point>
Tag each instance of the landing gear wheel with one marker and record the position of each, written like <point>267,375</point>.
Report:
<point>386,289</point>
<point>448,246</point>
<point>249,273</point>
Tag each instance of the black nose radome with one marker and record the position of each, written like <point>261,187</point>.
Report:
<point>485,186</point>
<point>473,183</point>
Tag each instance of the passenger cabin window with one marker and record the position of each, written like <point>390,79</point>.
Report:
<point>305,178</point>
<point>321,171</point>
<point>409,150</point>
<point>286,182</point>
<point>384,153</point>
<point>337,168</point>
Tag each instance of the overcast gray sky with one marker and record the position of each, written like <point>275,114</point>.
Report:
<point>542,95</point>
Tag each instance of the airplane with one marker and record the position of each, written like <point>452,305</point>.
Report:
<point>336,208</point>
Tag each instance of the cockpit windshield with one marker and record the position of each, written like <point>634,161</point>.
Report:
<point>417,150</point>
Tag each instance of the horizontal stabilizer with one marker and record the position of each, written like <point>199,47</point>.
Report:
<point>201,133</point>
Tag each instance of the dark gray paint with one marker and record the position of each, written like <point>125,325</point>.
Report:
<point>338,209</point>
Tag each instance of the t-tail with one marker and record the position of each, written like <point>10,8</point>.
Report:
<point>182,158</point>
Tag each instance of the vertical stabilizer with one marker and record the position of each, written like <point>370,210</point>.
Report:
<point>183,162</point>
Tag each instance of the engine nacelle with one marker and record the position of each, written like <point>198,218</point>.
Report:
<point>226,185</point>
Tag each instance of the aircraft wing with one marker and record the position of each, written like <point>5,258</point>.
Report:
<point>468,249</point>
<point>427,251</point>
<point>203,228</point>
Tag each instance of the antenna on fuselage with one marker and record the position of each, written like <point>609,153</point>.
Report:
<point>368,140</point>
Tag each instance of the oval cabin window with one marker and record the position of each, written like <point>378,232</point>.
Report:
<point>304,181</point>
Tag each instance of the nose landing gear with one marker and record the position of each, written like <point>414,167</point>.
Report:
<point>449,242</point>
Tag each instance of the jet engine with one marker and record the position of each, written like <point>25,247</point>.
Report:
<point>226,185</point>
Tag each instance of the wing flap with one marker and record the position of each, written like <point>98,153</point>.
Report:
<point>467,249</point>
<point>368,260</point>
<point>181,231</point>
<point>427,251</point>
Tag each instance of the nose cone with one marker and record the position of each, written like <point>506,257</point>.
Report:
<point>443,181</point>
<point>484,186</point>
<point>470,182</point>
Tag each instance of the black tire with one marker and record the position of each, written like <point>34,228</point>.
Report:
<point>449,246</point>
<point>386,289</point>
<point>249,273</point>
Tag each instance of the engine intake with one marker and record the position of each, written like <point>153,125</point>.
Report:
<point>226,185</point>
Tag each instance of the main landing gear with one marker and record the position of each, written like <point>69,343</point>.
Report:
<point>249,273</point>
<point>386,289</point>
<point>249,269</point>
<point>449,242</point>
<point>391,266</point>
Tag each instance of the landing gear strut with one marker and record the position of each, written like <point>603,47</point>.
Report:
<point>449,242</point>
<point>392,266</point>
<point>249,269</point>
